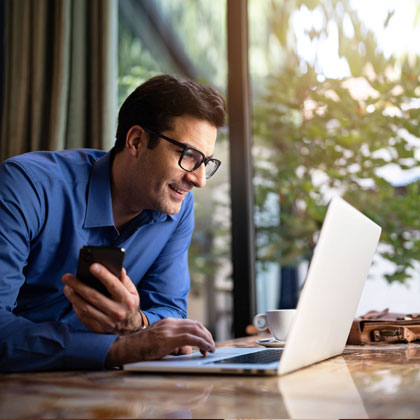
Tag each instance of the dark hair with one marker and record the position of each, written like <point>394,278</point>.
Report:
<point>157,101</point>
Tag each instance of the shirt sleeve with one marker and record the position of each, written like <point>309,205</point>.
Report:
<point>26,345</point>
<point>165,287</point>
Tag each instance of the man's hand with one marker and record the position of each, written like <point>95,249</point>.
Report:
<point>167,336</point>
<point>118,314</point>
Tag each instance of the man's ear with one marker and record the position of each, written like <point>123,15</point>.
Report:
<point>135,139</point>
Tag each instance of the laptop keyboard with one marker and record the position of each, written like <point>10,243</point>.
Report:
<point>264,356</point>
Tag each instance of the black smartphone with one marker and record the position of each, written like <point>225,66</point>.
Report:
<point>110,257</point>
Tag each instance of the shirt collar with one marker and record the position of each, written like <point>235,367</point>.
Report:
<point>99,202</point>
<point>99,199</point>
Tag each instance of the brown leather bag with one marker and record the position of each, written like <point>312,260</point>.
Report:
<point>377,327</point>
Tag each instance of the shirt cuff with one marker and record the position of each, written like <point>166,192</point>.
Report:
<point>152,317</point>
<point>87,350</point>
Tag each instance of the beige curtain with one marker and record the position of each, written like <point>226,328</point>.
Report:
<point>61,75</point>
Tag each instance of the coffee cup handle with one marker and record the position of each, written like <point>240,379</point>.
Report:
<point>260,322</point>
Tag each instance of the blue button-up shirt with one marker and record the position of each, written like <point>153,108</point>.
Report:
<point>51,204</point>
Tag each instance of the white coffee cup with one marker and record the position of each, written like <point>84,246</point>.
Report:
<point>278,321</point>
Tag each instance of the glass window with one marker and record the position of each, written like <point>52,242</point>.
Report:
<point>335,111</point>
<point>188,38</point>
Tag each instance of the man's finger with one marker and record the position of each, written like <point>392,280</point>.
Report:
<point>190,339</point>
<point>109,280</point>
<point>85,311</point>
<point>89,294</point>
<point>128,284</point>
<point>196,328</point>
<point>182,350</point>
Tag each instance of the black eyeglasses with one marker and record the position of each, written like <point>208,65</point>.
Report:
<point>191,159</point>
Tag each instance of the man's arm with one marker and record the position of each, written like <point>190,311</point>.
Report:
<point>26,345</point>
<point>165,287</point>
<point>30,346</point>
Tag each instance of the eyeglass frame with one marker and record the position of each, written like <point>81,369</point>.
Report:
<point>204,160</point>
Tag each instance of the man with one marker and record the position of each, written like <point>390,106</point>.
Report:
<point>136,197</point>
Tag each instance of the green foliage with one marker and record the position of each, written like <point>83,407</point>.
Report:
<point>315,136</point>
<point>135,63</point>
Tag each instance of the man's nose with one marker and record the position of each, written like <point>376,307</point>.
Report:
<point>198,177</point>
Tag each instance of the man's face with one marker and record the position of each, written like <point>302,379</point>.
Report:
<point>159,182</point>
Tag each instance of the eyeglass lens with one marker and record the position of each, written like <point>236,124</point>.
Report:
<point>211,168</point>
<point>191,159</point>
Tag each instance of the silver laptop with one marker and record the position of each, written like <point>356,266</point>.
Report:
<point>326,307</point>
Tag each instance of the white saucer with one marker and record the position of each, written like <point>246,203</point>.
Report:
<point>270,342</point>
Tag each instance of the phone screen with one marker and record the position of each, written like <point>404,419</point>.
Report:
<point>110,257</point>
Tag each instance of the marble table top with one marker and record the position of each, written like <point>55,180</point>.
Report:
<point>364,382</point>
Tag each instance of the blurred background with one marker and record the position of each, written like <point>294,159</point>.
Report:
<point>333,89</point>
